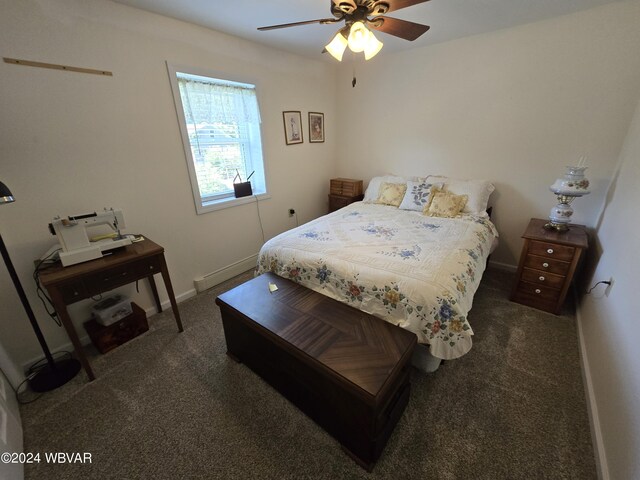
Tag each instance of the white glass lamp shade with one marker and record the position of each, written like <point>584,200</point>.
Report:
<point>337,46</point>
<point>572,184</point>
<point>373,47</point>
<point>358,37</point>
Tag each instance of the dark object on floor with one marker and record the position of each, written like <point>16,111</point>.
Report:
<point>106,338</point>
<point>347,370</point>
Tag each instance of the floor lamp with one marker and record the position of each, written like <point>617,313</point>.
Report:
<point>56,372</point>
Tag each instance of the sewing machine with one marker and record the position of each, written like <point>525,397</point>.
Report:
<point>77,247</point>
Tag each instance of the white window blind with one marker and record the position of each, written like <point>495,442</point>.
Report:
<point>222,126</point>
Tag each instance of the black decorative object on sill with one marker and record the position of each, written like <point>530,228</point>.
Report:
<point>242,189</point>
<point>56,372</point>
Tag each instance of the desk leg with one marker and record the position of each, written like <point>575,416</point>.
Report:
<point>172,298</point>
<point>154,290</point>
<point>63,315</point>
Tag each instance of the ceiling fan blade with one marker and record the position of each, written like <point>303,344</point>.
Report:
<point>399,28</point>
<point>398,4</point>
<point>295,24</point>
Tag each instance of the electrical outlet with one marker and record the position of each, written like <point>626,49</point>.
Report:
<point>609,287</point>
<point>292,212</point>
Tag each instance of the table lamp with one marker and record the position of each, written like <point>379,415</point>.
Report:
<point>56,372</point>
<point>567,188</point>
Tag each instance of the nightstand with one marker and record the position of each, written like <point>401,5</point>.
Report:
<point>547,265</point>
<point>344,191</point>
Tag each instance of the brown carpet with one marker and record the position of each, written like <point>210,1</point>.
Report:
<point>173,406</point>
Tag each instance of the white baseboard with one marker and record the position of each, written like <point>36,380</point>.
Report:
<point>214,278</point>
<point>592,408</point>
<point>203,283</point>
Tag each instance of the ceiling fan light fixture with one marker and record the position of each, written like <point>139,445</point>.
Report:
<point>337,46</point>
<point>357,15</point>
<point>372,47</point>
<point>358,37</point>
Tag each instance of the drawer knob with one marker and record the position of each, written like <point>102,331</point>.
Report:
<point>545,265</point>
<point>538,290</point>
<point>550,251</point>
<point>541,278</point>
<point>151,267</point>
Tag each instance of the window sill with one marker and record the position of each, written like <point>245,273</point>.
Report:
<point>223,203</point>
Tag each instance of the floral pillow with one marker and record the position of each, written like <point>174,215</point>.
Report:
<point>445,204</point>
<point>417,195</point>
<point>391,193</point>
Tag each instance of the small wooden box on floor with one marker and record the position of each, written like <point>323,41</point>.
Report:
<point>106,338</point>
<point>344,191</point>
<point>547,265</point>
<point>346,369</point>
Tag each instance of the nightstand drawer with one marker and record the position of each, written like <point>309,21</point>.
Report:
<point>538,292</point>
<point>551,250</point>
<point>336,202</point>
<point>546,264</point>
<point>543,278</point>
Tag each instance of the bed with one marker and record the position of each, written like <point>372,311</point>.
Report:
<point>416,271</point>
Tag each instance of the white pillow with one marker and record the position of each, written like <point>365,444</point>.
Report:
<point>417,195</point>
<point>373,189</point>
<point>478,192</point>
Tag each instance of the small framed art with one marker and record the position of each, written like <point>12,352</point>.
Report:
<point>292,127</point>
<point>316,127</point>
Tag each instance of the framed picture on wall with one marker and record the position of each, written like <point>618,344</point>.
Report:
<point>292,127</point>
<point>316,127</point>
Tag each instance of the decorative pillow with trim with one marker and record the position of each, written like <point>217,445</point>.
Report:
<point>373,188</point>
<point>445,204</point>
<point>391,193</point>
<point>418,195</point>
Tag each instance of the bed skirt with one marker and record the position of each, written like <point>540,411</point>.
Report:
<point>423,360</point>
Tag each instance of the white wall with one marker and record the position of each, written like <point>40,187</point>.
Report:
<point>609,324</point>
<point>72,143</point>
<point>513,106</point>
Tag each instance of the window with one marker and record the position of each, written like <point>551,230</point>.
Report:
<point>220,126</point>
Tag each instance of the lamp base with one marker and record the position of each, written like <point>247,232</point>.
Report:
<point>558,227</point>
<point>49,378</point>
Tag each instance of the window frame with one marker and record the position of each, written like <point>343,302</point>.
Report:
<point>226,201</point>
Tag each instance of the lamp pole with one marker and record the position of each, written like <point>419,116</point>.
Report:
<point>55,373</point>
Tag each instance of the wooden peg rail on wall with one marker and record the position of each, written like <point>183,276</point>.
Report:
<point>54,66</point>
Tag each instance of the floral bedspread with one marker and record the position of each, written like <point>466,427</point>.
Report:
<point>414,271</point>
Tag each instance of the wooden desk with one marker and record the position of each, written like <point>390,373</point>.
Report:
<point>67,285</point>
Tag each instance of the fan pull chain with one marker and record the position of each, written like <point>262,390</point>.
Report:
<point>353,82</point>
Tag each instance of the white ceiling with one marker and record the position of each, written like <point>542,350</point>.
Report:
<point>449,19</point>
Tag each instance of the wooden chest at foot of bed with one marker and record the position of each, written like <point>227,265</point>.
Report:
<point>347,370</point>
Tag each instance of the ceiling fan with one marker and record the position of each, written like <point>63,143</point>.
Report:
<point>358,15</point>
